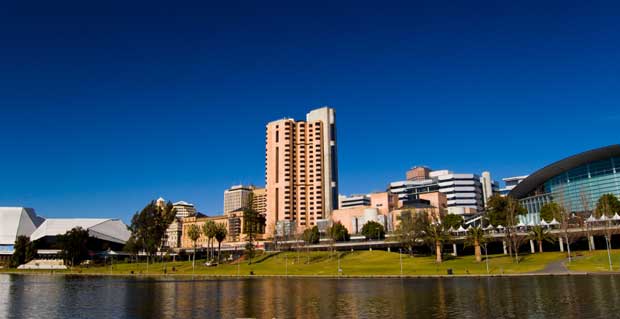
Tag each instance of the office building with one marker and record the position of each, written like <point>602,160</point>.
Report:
<point>510,183</point>
<point>184,209</point>
<point>576,183</point>
<point>464,192</point>
<point>259,200</point>
<point>237,197</point>
<point>301,172</point>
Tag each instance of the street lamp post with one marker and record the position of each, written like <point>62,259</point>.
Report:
<point>400,256</point>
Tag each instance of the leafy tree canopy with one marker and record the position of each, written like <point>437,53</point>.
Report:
<point>23,251</point>
<point>500,209</point>
<point>452,220</point>
<point>148,226</point>
<point>311,235</point>
<point>74,245</point>
<point>338,232</point>
<point>551,210</point>
<point>373,230</point>
<point>608,204</point>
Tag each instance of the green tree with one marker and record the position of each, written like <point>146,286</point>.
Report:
<point>312,236</point>
<point>550,211</point>
<point>411,228</point>
<point>337,232</point>
<point>74,245</point>
<point>476,237</point>
<point>373,230</point>
<point>253,225</point>
<point>220,235</point>
<point>208,229</point>
<point>435,235</point>
<point>193,232</point>
<point>452,220</point>
<point>608,205</point>
<point>23,251</point>
<point>540,234</point>
<point>148,226</point>
<point>503,210</point>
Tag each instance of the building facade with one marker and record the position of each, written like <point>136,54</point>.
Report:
<point>259,200</point>
<point>237,197</point>
<point>464,192</point>
<point>184,209</point>
<point>510,183</point>
<point>301,173</point>
<point>576,183</point>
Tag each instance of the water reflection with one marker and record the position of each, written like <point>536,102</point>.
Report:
<point>113,297</point>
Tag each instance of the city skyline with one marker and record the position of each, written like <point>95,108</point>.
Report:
<point>97,121</point>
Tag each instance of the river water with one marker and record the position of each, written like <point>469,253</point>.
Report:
<point>41,296</point>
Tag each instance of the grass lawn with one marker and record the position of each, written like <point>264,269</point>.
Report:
<point>591,261</point>
<point>358,263</point>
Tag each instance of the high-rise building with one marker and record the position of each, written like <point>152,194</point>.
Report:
<point>301,169</point>
<point>489,187</point>
<point>184,209</point>
<point>237,197</point>
<point>418,173</point>
<point>259,200</point>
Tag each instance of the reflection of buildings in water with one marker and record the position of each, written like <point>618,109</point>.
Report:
<point>5,288</point>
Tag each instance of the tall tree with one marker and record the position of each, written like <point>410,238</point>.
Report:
<point>411,228</point>
<point>476,237</point>
<point>337,232</point>
<point>504,211</point>
<point>311,235</point>
<point>23,251</point>
<point>373,230</point>
<point>193,232</point>
<point>148,226</point>
<point>74,245</point>
<point>208,229</point>
<point>253,225</point>
<point>220,235</point>
<point>435,235</point>
<point>551,211</point>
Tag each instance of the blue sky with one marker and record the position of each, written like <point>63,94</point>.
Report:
<point>105,106</point>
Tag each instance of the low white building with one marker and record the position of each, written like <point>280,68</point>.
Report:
<point>14,222</point>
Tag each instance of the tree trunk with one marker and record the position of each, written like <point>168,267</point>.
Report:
<point>219,251</point>
<point>540,249</point>
<point>438,250</point>
<point>477,251</point>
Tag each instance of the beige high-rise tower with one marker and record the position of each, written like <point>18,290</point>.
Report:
<point>301,169</point>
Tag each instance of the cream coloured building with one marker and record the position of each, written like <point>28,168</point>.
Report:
<point>237,197</point>
<point>301,169</point>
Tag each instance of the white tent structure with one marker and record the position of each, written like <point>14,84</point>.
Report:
<point>14,222</point>
<point>112,230</point>
<point>554,222</point>
<point>616,217</point>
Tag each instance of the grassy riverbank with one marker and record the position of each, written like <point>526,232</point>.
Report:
<point>358,263</point>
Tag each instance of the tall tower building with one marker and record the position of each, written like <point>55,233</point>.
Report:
<point>237,197</point>
<point>302,169</point>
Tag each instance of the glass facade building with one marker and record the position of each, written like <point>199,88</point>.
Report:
<point>576,183</point>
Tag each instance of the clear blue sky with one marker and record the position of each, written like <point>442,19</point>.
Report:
<point>107,105</point>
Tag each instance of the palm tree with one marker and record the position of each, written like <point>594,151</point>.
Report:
<point>476,237</point>
<point>540,234</point>
<point>220,235</point>
<point>193,232</point>
<point>209,230</point>
<point>435,235</point>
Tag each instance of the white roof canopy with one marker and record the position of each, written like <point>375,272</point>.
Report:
<point>112,230</point>
<point>17,221</point>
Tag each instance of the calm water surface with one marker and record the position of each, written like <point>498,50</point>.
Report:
<point>26,296</point>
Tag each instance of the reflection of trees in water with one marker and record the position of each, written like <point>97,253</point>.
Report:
<point>108,297</point>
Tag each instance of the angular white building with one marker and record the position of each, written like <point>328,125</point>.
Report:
<point>110,230</point>
<point>14,222</point>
